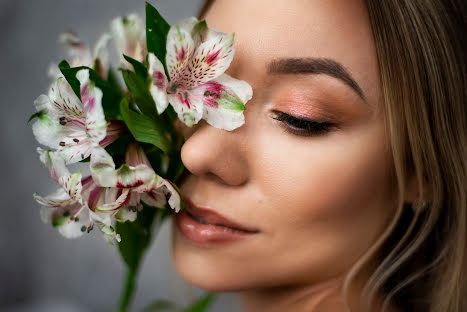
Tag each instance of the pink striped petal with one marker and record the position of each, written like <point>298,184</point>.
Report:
<point>210,60</point>
<point>188,107</point>
<point>159,83</point>
<point>180,47</point>
<point>91,97</point>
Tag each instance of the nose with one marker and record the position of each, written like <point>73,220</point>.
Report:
<point>210,152</point>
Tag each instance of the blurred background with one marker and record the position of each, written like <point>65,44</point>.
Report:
<point>39,269</point>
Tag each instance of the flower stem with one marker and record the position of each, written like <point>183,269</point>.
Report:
<point>128,290</point>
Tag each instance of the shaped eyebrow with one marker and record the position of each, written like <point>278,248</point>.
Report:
<point>312,65</point>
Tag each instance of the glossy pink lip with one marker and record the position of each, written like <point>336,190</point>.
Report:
<point>215,229</point>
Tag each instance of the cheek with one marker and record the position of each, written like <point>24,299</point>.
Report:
<point>320,177</point>
<point>328,199</point>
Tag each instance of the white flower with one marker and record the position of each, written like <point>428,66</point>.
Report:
<point>81,55</point>
<point>196,59</point>
<point>72,208</point>
<point>71,126</point>
<point>136,176</point>
<point>129,34</point>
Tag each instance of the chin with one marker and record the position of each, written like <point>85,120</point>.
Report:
<point>212,269</point>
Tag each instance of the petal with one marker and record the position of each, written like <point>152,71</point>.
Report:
<point>129,34</point>
<point>60,215</point>
<point>159,83</point>
<point>65,103</point>
<point>62,122</point>
<point>116,198</point>
<point>180,48</point>
<point>58,199</point>
<point>172,191</point>
<point>54,163</point>
<point>91,97</point>
<point>46,129</point>
<point>188,108</point>
<point>72,185</point>
<point>109,233</point>
<point>126,213</point>
<point>104,173</point>
<point>224,101</point>
<point>101,56</point>
<point>135,155</point>
<point>154,198</point>
<point>210,60</point>
<point>76,49</point>
<point>128,177</point>
<point>115,129</point>
<point>78,226</point>
<point>73,152</point>
<point>103,168</point>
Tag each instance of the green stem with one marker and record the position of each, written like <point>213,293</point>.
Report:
<point>128,291</point>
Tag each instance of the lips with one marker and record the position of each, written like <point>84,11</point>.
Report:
<point>206,227</point>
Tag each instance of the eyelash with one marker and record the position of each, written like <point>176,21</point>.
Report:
<point>303,127</point>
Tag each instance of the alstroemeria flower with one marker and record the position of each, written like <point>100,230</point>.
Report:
<point>72,208</point>
<point>196,59</point>
<point>129,34</point>
<point>71,126</point>
<point>135,176</point>
<point>81,55</point>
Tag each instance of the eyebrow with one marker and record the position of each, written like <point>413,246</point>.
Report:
<point>312,65</point>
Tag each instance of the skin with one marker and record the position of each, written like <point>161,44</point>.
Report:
<point>318,201</point>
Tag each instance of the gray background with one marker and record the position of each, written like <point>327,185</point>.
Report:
<point>39,269</point>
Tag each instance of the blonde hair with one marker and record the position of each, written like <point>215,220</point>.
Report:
<point>422,255</point>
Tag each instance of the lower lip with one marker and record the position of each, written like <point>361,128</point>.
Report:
<point>207,234</point>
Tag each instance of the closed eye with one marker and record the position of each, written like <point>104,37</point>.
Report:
<point>302,126</point>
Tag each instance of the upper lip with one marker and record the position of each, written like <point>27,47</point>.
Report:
<point>213,217</point>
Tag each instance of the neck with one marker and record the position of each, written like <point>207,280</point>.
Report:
<point>304,298</point>
<point>323,297</point>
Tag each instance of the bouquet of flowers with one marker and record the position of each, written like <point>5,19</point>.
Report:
<point>129,138</point>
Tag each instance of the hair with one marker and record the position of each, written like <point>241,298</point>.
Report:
<point>422,254</point>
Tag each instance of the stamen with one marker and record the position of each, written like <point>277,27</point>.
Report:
<point>75,140</point>
<point>62,143</point>
<point>83,229</point>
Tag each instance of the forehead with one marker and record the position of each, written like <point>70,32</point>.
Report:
<point>266,30</point>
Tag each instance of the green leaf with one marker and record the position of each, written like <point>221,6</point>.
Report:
<point>118,147</point>
<point>157,29</point>
<point>110,98</point>
<point>139,89</point>
<point>139,67</point>
<point>162,306</point>
<point>143,128</point>
<point>135,237</point>
<point>70,76</point>
<point>202,304</point>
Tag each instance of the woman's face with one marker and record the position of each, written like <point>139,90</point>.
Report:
<point>317,201</point>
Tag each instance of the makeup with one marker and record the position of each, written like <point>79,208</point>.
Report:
<point>204,227</point>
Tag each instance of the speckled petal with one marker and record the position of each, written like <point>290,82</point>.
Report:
<point>224,101</point>
<point>210,60</point>
<point>188,108</point>
<point>180,48</point>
